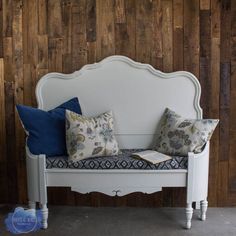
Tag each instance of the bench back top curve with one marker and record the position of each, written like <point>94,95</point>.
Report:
<point>136,93</point>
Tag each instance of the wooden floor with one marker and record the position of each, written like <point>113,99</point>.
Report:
<point>41,36</point>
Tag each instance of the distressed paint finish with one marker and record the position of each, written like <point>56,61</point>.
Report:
<point>39,36</point>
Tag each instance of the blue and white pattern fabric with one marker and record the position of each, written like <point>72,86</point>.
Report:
<point>90,136</point>
<point>179,136</point>
<point>121,161</point>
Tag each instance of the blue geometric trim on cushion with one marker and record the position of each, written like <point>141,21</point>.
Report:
<point>121,161</point>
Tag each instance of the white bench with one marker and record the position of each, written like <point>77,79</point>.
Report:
<point>137,94</point>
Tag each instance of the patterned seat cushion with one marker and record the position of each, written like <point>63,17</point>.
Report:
<point>121,161</point>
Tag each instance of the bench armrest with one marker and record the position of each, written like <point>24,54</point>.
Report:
<point>198,170</point>
<point>36,176</point>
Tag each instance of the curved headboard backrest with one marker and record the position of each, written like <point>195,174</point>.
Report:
<point>136,93</point>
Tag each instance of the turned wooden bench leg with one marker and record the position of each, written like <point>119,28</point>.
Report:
<point>189,214</point>
<point>203,209</point>
<point>44,211</point>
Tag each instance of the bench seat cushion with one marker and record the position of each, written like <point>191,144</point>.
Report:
<point>121,161</point>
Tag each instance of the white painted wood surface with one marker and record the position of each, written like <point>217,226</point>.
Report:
<point>138,95</point>
<point>111,182</point>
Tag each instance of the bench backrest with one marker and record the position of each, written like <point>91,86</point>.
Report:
<point>136,93</point>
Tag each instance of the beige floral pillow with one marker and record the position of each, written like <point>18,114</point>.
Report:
<point>90,137</point>
<point>178,136</point>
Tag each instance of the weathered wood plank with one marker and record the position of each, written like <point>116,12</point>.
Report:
<point>41,72</point>
<point>42,51</point>
<point>191,36</point>
<point>143,36</point>
<point>178,35</point>
<point>205,58</point>
<point>32,42</point>
<point>67,26</point>
<point>225,32</point>
<point>11,143</point>
<point>225,58</point>
<point>214,165</point>
<point>233,18</point>
<point>224,109</point>
<point>25,25</point>
<point>1,29</point>
<point>91,52</point>
<point>55,55</point>
<point>17,50</point>
<point>91,21</point>
<point>7,44</point>
<point>223,184</point>
<point>125,32</point>
<point>223,170</point>
<point>157,42</point>
<point>179,197</point>
<point>215,58</point>
<point>79,44</point>
<point>224,133</point>
<point>7,18</point>
<point>232,161</point>
<point>43,16</point>
<point>54,19</point>
<point>2,112</point>
<point>232,119</point>
<point>91,31</point>
<point>215,18</point>
<point>66,63</point>
<point>105,28</point>
<point>167,36</point>
<point>3,183</point>
<point>17,40</point>
<point>27,85</point>
<point>167,197</point>
<point>10,119</point>
<point>233,85</point>
<point>119,11</point>
<point>205,4</point>
<point>214,101</point>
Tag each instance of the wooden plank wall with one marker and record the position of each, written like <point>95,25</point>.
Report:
<point>40,36</point>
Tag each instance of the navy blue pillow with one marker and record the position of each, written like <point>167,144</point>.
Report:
<point>46,129</point>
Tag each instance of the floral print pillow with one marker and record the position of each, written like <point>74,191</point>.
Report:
<point>90,137</point>
<point>178,136</point>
